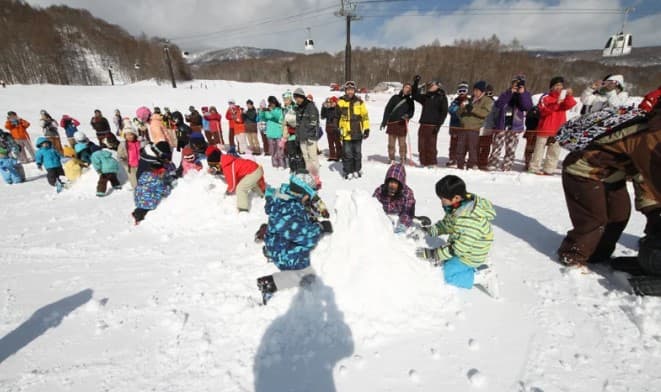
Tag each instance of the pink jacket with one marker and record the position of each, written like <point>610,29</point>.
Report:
<point>157,132</point>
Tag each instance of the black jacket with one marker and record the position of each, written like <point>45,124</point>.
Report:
<point>434,106</point>
<point>307,122</point>
<point>250,115</point>
<point>194,118</point>
<point>397,110</point>
<point>331,115</point>
<point>100,125</point>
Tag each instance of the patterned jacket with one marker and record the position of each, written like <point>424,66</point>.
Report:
<point>291,233</point>
<point>403,203</point>
<point>469,229</point>
<point>152,187</point>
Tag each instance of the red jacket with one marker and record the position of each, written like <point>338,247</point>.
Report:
<point>552,115</point>
<point>235,168</point>
<point>214,121</point>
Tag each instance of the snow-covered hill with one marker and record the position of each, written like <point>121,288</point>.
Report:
<point>234,54</point>
<point>90,302</point>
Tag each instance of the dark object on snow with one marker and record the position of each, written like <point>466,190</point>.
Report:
<point>266,286</point>
<point>326,226</point>
<point>261,233</point>
<point>646,285</point>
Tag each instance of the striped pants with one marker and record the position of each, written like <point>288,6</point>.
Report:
<point>508,140</point>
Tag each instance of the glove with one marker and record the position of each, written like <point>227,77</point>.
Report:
<point>417,79</point>
<point>366,134</point>
<point>261,233</point>
<point>551,140</point>
<point>326,226</point>
<point>428,254</point>
<point>469,107</point>
<point>382,127</point>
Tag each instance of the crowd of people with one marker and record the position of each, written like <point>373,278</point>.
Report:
<point>616,142</point>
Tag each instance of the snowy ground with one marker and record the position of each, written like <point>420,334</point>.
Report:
<point>88,302</point>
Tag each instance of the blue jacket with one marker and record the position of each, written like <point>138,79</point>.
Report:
<point>104,163</point>
<point>291,233</point>
<point>8,170</point>
<point>455,121</point>
<point>153,186</point>
<point>47,157</point>
<point>85,150</point>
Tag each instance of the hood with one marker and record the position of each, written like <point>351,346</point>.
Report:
<point>105,154</point>
<point>476,206</point>
<point>40,140</point>
<point>396,172</point>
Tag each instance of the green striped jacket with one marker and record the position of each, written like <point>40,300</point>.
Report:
<point>469,230</point>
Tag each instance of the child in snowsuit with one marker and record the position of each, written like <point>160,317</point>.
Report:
<point>107,167</point>
<point>84,148</point>
<point>397,198</point>
<point>128,154</point>
<point>154,183</point>
<point>242,176</point>
<point>47,157</point>
<point>70,126</point>
<point>189,162</point>
<point>291,234</point>
<point>182,131</point>
<point>467,221</point>
<point>8,168</point>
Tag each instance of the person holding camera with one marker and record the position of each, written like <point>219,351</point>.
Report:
<point>553,109</point>
<point>472,113</point>
<point>608,92</point>
<point>511,106</point>
<point>398,111</point>
<point>434,110</point>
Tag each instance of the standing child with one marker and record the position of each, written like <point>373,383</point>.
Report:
<point>18,128</point>
<point>107,167</point>
<point>261,126</point>
<point>70,126</point>
<point>128,153</point>
<point>49,128</point>
<point>213,129</point>
<point>48,158</point>
<point>154,184</point>
<point>273,117</point>
<point>84,148</point>
<point>291,234</point>
<point>8,168</point>
<point>467,221</point>
<point>250,117</point>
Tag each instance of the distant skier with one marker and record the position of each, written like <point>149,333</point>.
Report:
<point>467,223</point>
<point>397,198</point>
<point>293,230</point>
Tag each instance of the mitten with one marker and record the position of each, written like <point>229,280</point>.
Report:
<point>427,254</point>
<point>366,134</point>
<point>326,226</point>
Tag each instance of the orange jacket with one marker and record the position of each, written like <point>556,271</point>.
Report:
<point>235,117</point>
<point>18,131</point>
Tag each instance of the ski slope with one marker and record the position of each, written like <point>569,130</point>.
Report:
<point>89,302</point>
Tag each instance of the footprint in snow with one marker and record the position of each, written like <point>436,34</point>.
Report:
<point>414,376</point>
<point>473,345</point>
<point>476,378</point>
<point>435,354</point>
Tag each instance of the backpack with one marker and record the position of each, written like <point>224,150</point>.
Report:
<point>577,134</point>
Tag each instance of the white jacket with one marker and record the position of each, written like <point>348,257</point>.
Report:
<point>595,102</point>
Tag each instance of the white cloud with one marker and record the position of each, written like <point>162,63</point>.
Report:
<point>170,18</point>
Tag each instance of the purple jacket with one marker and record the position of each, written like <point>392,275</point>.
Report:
<point>519,103</point>
<point>403,203</point>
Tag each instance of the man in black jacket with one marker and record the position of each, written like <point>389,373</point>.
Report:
<point>396,117</point>
<point>307,131</point>
<point>434,110</point>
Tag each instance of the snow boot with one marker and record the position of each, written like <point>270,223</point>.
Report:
<point>266,286</point>
<point>59,186</point>
<point>100,194</point>
<point>646,285</point>
<point>117,188</point>
<point>486,278</point>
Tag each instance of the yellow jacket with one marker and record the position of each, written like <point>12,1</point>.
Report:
<point>354,120</point>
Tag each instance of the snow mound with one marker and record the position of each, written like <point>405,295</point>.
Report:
<point>381,289</point>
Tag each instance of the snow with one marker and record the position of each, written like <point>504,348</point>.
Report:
<point>91,302</point>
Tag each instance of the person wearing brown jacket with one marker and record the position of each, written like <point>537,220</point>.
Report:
<point>472,114</point>
<point>594,182</point>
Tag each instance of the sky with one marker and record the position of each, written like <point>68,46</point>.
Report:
<point>197,25</point>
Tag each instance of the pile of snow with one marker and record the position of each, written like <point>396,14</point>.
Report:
<point>370,284</point>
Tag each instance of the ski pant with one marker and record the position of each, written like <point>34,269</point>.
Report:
<point>508,140</point>
<point>484,150</point>
<point>468,140</point>
<point>132,173</point>
<point>245,186</point>
<point>294,156</point>
<point>452,150</point>
<point>457,273</point>
<point>53,175</point>
<point>599,212</point>
<point>334,142</point>
<point>310,156</point>
<point>352,157</point>
<point>289,279</point>
<point>427,137</point>
<point>26,148</point>
<point>241,142</point>
<point>400,141</point>
<point>232,143</point>
<point>552,155</point>
<point>253,143</point>
<point>104,179</point>
<point>265,142</point>
<point>277,154</point>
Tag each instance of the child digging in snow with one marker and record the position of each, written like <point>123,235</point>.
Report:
<point>467,222</point>
<point>47,157</point>
<point>107,167</point>
<point>189,162</point>
<point>8,168</point>
<point>154,184</point>
<point>291,233</point>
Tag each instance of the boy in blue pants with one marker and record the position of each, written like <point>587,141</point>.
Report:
<point>467,223</point>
